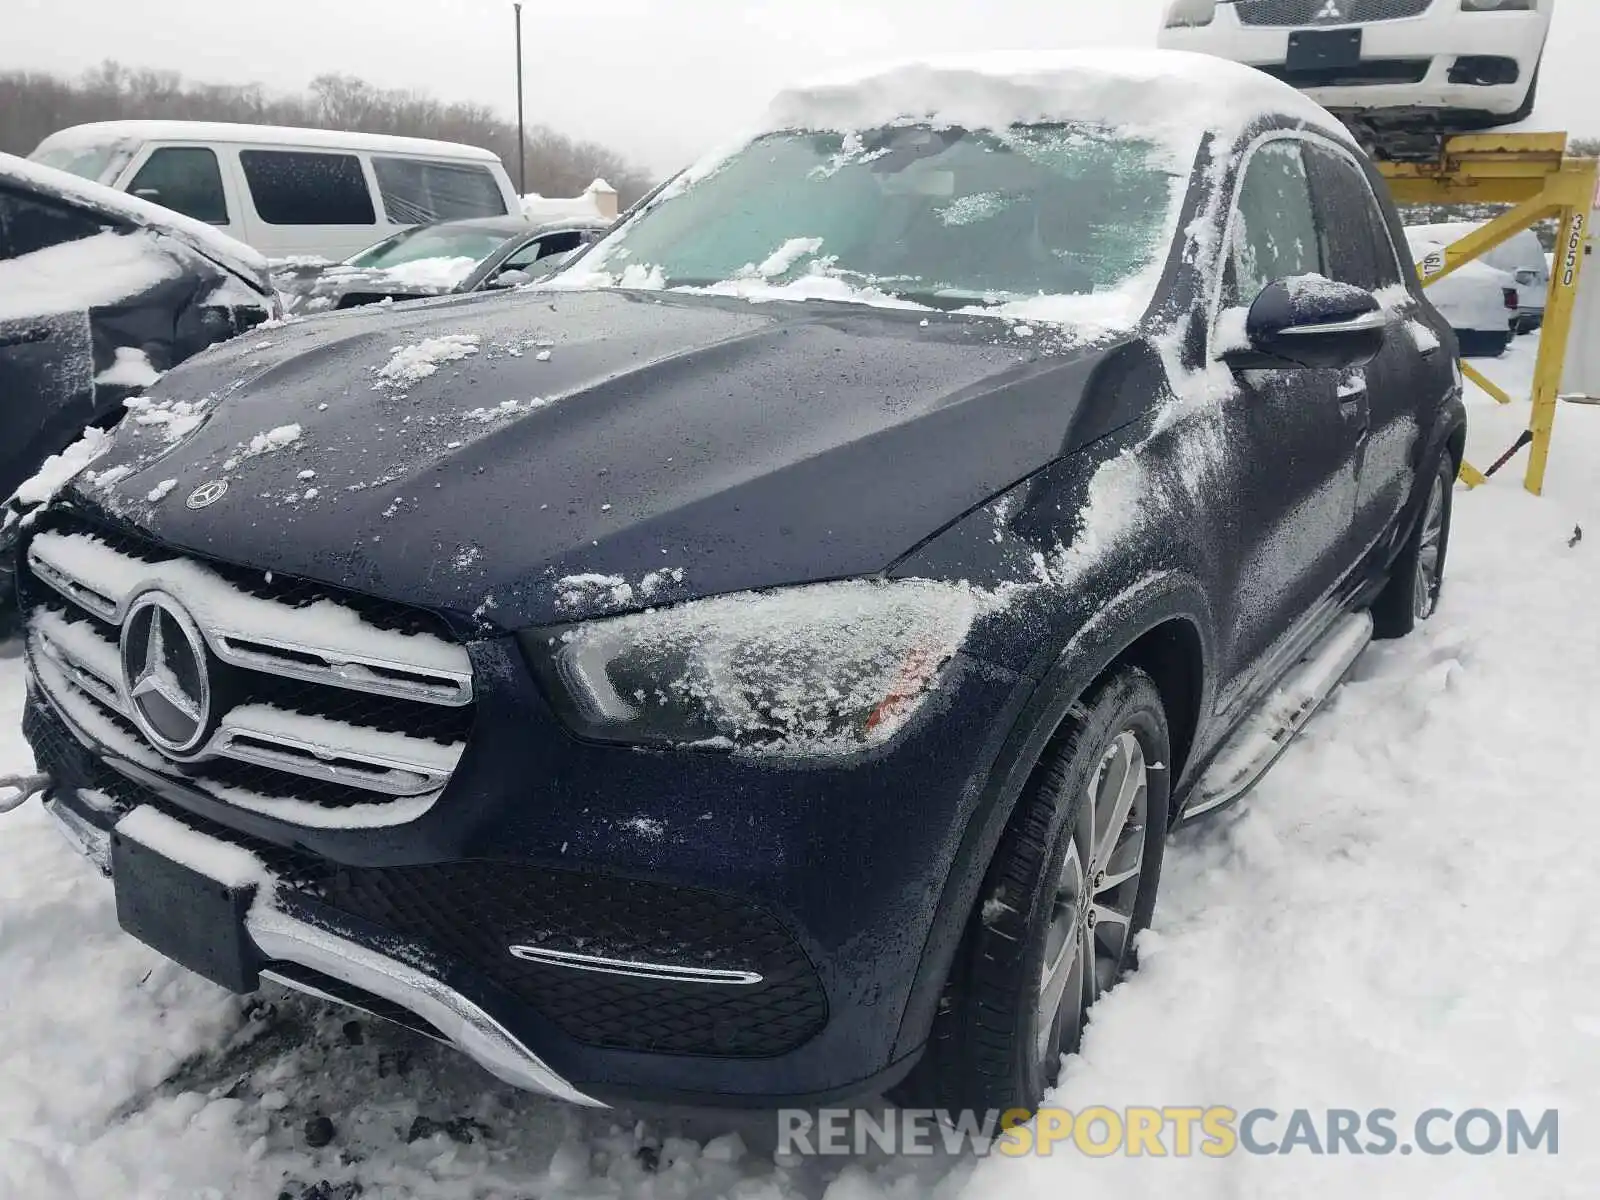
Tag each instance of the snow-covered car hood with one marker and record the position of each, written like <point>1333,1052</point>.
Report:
<point>479,454</point>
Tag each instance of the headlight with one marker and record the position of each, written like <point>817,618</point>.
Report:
<point>1497,5</point>
<point>1191,13</point>
<point>826,669</point>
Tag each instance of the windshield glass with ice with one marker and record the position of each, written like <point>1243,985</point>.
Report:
<point>944,217</point>
<point>439,241</point>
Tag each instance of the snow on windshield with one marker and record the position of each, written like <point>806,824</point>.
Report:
<point>1037,187</point>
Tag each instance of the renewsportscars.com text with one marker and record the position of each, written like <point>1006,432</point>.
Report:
<point>1170,1132</point>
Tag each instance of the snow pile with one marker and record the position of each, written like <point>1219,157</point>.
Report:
<point>412,364</point>
<point>176,419</point>
<point>582,591</point>
<point>161,491</point>
<point>1171,96</point>
<point>88,273</point>
<point>440,274</point>
<point>272,439</point>
<point>131,369</point>
<point>61,469</point>
<point>599,199</point>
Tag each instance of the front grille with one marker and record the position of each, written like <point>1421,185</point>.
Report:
<point>473,912</point>
<point>1371,73</point>
<point>329,707</point>
<point>1327,12</point>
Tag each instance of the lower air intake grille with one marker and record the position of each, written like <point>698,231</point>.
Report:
<point>474,911</point>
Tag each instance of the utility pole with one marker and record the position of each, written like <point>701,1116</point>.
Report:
<point>522,139</point>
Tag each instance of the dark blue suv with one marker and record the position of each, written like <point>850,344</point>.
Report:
<point>762,664</point>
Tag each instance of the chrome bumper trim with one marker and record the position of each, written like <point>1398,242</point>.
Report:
<point>92,843</point>
<point>287,939</point>
<point>635,970</point>
<point>461,1022</point>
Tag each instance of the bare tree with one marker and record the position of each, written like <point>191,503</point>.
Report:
<point>35,104</point>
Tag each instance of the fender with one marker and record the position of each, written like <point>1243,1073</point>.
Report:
<point>1154,600</point>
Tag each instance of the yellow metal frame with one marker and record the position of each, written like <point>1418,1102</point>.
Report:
<point>1533,173</point>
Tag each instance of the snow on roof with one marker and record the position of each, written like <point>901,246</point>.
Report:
<point>109,202</point>
<point>557,208</point>
<point>101,132</point>
<point>1152,90</point>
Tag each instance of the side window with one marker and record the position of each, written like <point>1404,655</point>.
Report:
<point>185,179</point>
<point>1355,229</point>
<point>29,224</point>
<point>294,187</point>
<point>545,247</point>
<point>1275,232</point>
<point>415,192</point>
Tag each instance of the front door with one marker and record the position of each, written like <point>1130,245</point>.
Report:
<point>1294,436</point>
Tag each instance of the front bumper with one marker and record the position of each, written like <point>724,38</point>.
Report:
<point>355,974</point>
<point>534,902</point>
<point>1406,63</point>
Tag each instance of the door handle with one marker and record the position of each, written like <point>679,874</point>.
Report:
<point>28,337</point>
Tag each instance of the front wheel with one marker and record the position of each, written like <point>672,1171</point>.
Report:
<point>1072,884</point>
<point>1417,580</point>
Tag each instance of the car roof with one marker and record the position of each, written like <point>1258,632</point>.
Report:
<point>1166,95</point>
<point>101,132</point>
<point>110,203</point>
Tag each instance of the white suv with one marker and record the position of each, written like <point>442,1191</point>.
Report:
<point>1445,64</point>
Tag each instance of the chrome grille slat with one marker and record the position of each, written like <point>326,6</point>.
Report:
<point>286,721</point>
<point>376,677</point>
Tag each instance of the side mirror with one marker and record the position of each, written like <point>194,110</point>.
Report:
<point>510,278</point>
<point>1311,322</point>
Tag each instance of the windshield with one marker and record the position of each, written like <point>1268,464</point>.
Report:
<point>97,163</point>
<point>431,241</point>
<point>946,217</point>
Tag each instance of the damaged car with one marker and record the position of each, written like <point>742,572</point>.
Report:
<point>99,294</point>
<point>760,665</point>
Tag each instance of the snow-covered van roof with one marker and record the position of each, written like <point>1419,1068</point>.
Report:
<point>1152,92</point>
<point>100,133</point>
<point>226,251</point>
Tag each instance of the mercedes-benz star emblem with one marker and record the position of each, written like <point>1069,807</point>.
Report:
<point>207,493</point>
<point>165,675</point>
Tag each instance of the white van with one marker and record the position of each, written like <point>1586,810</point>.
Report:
<point>287,192</point>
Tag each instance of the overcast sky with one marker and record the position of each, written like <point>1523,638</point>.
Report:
<point>655,79</point>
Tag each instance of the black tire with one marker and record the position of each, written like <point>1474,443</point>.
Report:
<point>1410,599</point>
<point>985,1051</point>
<point>1479,343</point>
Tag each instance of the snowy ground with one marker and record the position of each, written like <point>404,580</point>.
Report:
<point>1401,916</point>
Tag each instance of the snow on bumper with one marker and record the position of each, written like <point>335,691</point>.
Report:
<point>1437,39</point>
<point>281,938</point>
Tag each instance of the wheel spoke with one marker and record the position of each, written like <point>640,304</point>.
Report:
<point>1111,929</point>
<point>1128,777</point>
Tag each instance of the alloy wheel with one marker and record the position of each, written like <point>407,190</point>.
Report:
<point>1087,942</point>
<point>1425,584</point>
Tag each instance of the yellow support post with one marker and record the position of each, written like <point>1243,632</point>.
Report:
<point>1497,393</point>
<point>1531,172</point>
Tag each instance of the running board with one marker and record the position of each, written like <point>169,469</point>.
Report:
<point>1278,719</point>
